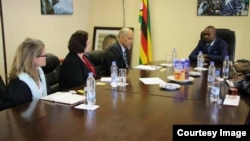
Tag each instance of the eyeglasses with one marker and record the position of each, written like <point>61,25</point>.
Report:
<point>45,55</point>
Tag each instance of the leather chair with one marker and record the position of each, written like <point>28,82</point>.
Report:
<point>2,88</point>
<point>229,36</point>
<point>2,93</point>
<point>51,71</point>
<point>96,58</point>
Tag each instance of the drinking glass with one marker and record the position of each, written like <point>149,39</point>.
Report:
<point>122,75</point>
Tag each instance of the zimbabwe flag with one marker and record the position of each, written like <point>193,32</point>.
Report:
<point>145,47</point>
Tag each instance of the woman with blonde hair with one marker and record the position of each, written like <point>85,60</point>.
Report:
<point>26,79</point>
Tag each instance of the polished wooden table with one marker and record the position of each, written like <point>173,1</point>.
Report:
<point>121,116</point>
<point>132,113</point>
<point>193,90</point>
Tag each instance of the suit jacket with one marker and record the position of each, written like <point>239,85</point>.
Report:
<point>18,92</point>
<point>114,53</point>
<point>73,72</point>
<point>23,89</point>
<point>217,52</point>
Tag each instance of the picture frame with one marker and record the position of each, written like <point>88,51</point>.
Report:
<point>56,7</point>
<point>222,8</point>
<point>100,33</point>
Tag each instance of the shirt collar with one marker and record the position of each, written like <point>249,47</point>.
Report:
<point>123,48</point>
<point>212,43</point>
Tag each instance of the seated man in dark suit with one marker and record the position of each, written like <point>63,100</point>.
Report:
<point>213,48</point>
<point>118,51</point>
<point>108,40</point>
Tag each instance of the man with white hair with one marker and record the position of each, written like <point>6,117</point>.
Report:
<point>119,51</point>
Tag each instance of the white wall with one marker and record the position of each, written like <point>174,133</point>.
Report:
<point>174,23</point>
<point>24,19</point>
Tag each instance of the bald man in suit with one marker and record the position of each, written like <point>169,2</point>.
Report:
<point>118,51</point>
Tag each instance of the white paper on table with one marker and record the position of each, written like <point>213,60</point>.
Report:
<point>231,100</point>
<point>152,80</point>
<point>106,79</point>
<point>87,107</point>
<point>119,84</point>
<point>147,67</point>
<point>200,69</point>
<point>166,65</point>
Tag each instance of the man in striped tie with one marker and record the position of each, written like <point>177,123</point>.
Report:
<point>119,51</point>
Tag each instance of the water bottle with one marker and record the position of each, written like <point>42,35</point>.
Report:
<point>91,93</point>
<point>187,68</point>
<point>114,74</point>
<point>215,89</point>
<point>174,56</point>
<point>226,67</point>
<point>200,60</point>
<point>211,74</point>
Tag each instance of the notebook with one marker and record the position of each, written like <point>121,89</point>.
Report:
<point>64,97</point>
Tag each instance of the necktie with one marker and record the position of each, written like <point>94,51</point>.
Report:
<point>89,65</point>
<point>208,48</point>
<point>125,59</point>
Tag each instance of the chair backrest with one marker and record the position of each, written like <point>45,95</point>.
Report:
<point>51,71</point>
<point>2,88</point>
<point>229,36</point>
<point>96,58</point>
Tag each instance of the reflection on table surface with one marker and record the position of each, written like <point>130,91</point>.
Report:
<point>192,90</point>
<point>121,116</point>
<point>131,113</point>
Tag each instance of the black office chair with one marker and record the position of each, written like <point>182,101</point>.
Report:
<point>2,93</point>
<point>96,58</point>
<point>229,36</point>
<point>2,88</point>
<point>51,71</point>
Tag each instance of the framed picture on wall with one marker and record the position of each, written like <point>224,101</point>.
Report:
<point>222,7</point>
<point>100,33</point>
<point>56,7</point>
<point>104,36</point>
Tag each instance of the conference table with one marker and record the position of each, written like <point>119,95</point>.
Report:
<point>193,90</point>
<point>133,113</point>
